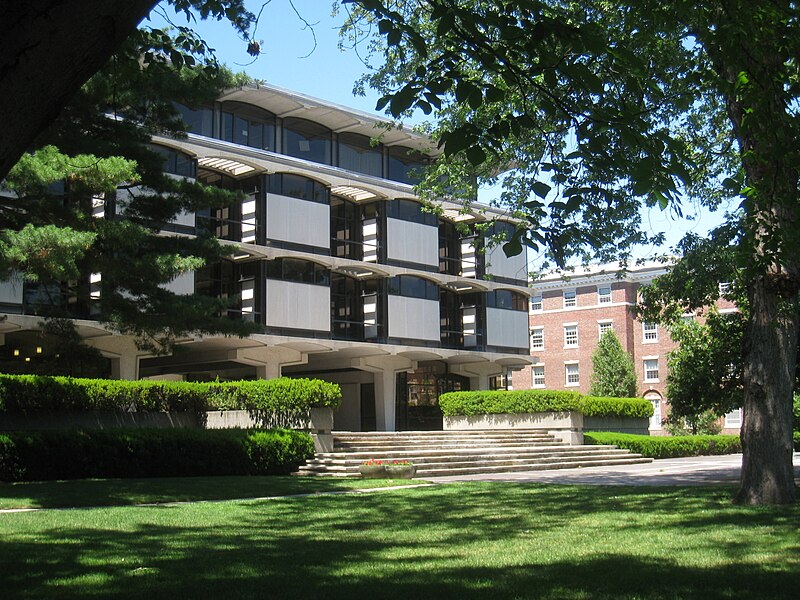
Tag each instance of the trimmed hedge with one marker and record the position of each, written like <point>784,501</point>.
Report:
<point>532,401</point>
<point>127,453</point>
<point>666,446</point>
<point>280,402</point>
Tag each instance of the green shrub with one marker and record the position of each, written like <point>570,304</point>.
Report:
<point>275,402</point>
<point>531,401</point>
<point>668,447</point>
<point>796,437</point>
<point>125,453</point>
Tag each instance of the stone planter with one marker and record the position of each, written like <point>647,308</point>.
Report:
<point>372,471</point>
<point>401,471</point>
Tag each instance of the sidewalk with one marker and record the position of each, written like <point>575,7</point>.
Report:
<point>697,470</point>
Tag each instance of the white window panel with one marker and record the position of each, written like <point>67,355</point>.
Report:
<point>650,332</point>
<point>536,303</point>
<point>537,338</point>
<point>570,299</point>
<point>651,370</point>
<point>572,373</point>
<point>603,327</point>
<point>604,294</point>
<point>570,336</point>
<point>537,376</point>
<point>734,418</point>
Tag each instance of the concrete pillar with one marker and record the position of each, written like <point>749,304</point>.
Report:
<point>268,371</point>
<point>125,366</point>
<point>122,352</point>
<point>385,398</point>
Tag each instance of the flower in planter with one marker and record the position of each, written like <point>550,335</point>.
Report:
<point>400,463</point>
<point>374,462</point>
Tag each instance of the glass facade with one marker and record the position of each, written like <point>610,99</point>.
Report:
<point>356,153</point>
<point>307,140</point>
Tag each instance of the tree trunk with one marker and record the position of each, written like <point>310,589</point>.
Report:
<point>48,49</point>
<point>770,359</point>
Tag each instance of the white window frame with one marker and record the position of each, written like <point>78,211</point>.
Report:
<point>570,298</point>
<point>601,297</point>
<point>724,287</point>
<point>536,303</point>
<point>540,331</point>
<point>567,328</point>
<point>649,370</point>
<point>576,373</point>
<point>651,332</point>
<point>601,324</point>
<point>733,419</point>
<point>534,375</point>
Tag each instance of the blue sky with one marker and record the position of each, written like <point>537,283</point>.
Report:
<point>292,58</point>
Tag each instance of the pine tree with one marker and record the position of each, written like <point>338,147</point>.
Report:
<point>612,369</point>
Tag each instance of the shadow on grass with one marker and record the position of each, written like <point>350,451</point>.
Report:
<point>457,541</point>
<point>117,492</point>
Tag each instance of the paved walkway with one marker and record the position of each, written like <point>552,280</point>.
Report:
<point>699,470</point>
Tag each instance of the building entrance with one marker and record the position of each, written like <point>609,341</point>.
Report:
<point>417,399</point>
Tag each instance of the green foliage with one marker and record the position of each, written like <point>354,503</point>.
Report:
<point>613,373</point>
<point>75,454</point>
<point>668,447</point>
<point>273,402</point>
<point>704,423</point>
<point>531,401</point>
<point>705,370</point>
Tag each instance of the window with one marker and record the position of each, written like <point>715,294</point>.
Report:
<point>651,370</point>
<point>536,303</point>
<point>734,418</point>
<point>176,162</point>
<point>405,164</point>
<point>248,126</point>
<point>356,153</point>
<point>537,338</point>
<point>570,301</point>
<point>537,376</point>
<point>507,300</point>
<point>306,139</point>
<point>724,287</point>
<point>298,271</point>
<point>573,376</point>
<point>408,210</point>
<point>604,294</point>
<point>604,326</point>
<point>200,120</point>
<point>650,332</point>
<point>299,187</point>
<point>571,336</point>
<point>413,287</point>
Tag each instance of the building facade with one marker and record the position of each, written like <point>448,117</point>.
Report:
<point>349,277</point>
<point>569,314</point>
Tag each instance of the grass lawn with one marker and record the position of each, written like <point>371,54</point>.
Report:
<point>465,541</point>
<point>115,492</point>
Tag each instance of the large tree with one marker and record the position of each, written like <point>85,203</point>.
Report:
<point>601,108</point>
<point>50,48</point>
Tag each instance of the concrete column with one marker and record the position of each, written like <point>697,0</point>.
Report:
<point>125,366</point>
<point>385,398</point>
<point>268,371</point>
<point>122,352</point>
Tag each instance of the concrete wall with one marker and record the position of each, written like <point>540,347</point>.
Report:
<point>414,318</point>
<point>298,221</point>
<point>412,242</point>
<point>182,285</point>
<point>506,328</point>
<point>565,426</point>
<point>298,305</point>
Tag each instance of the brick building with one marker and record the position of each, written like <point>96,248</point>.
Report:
<point>569,314</point>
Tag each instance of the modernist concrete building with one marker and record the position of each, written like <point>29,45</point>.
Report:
<point>569,313</point>
<point>349,278</point>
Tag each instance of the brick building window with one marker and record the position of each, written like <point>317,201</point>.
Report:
<point>571,336</point>
<point>602,327</point>
<point>536,303</point>
<point>655,420</point>
<point>651,370</point>
<point>573,375</point>
<point>570,299</point>
<point>537,376</point>
<point>733,419</point>
<point>604,294</point>
<point>537,338</point>
<point>650,331</point>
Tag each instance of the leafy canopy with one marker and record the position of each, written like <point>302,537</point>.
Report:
<point>613,374</point>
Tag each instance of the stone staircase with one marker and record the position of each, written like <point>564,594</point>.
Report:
<point>440,453</point>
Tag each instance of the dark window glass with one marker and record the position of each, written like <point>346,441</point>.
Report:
<point>307,140</point>
<point>300,187</point>
<point>248,125</point>
<point>176,162</point>
<point>506,299</point>
<point>200,120</point>
<point>405,164</point>
<point>408,210</point>
<point>357,154</point>
<point>298,271</point>
<point>413,287</point>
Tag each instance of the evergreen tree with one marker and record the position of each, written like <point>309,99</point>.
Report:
<point>613,374</point>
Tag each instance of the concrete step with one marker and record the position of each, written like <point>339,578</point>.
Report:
<point>488,451</point>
